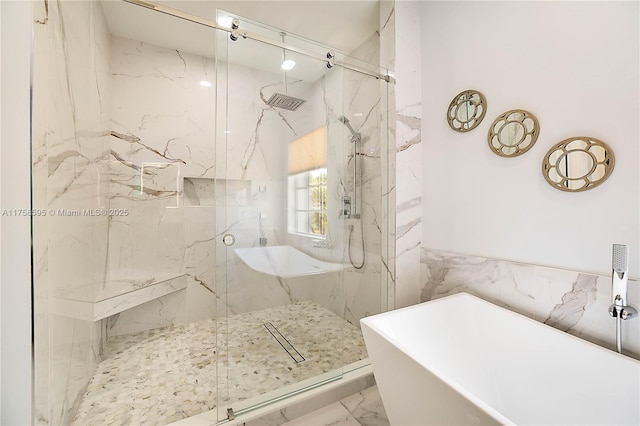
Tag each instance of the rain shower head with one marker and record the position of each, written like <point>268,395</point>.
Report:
<point>280,100</point>
<point>283,100</point>
<point>355,136</point>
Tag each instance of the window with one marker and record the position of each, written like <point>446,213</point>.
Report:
<point>308,203</point>
<point>307,199</point>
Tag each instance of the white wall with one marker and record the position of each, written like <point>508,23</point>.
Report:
<point>15,288</point>
<point>0,232</point>
<point>575,66</point>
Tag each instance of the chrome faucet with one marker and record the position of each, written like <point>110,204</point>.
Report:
<point>620,310</point>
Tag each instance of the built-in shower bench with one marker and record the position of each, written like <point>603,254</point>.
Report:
<point>117,296</point>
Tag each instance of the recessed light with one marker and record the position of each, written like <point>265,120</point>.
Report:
<point>288,65</point>
<point>227,131</point>
<point>205,83</point>
<point>357,114</point>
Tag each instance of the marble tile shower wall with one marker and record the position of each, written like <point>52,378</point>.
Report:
<point>399,45</point>
<point>125,125</point>
<point>574,302</point>
<point>408,149</point>
<point>246,201</point>
<point>387,59</point>
<point>170,124</point>
<point>70,152</point>
<point>162,132</point>
<point>253,180</point>
<point>252,190</point>
<point>365,104</point>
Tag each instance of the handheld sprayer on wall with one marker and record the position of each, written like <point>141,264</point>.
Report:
<point>619,309</point>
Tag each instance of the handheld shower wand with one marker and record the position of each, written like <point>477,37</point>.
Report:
<point>620,266</point>
<point>356,138</point>
<point>620,310</point>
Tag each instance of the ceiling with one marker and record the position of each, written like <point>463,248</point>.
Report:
<point>342,25</point>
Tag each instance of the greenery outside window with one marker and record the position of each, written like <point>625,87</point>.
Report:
<point>308,203</point>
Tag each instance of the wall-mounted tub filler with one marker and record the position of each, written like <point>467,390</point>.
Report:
<point>619,309</point>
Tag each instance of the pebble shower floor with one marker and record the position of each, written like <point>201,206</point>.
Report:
<point>164,375</point>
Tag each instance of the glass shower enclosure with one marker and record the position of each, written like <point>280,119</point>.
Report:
<point>218,191</point>
<point>299,184</point>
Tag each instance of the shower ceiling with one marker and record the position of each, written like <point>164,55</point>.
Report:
<point>344,25</point>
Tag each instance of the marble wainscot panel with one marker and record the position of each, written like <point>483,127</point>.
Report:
<point>571,301</point>
<point>69,145</point>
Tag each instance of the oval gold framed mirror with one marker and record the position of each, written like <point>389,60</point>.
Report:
<point>466,110</point>
<point>513,133</point>
<point>578,164</point>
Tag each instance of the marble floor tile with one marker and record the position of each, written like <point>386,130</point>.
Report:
<point>334,414</point>
<point>164,375</point>
<point>366,407</point>
<point>363,409</point>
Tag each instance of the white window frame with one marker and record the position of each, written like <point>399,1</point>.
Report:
<point>294,190</point>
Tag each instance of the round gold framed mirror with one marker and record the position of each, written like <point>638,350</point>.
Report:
<point>513,133</point>
<point>466,110</point>
<point>578,164</point>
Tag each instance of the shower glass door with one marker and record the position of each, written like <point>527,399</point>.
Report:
<point>280,233</point>
<point>155,136</point>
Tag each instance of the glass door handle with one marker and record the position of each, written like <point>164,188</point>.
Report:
<point>229,239</point>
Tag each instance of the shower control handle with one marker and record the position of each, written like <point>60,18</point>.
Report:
<point>346,207</point>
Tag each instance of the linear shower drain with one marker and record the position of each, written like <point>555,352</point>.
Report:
<point>286,345</point>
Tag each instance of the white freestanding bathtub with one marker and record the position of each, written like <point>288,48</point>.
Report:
<point>461,360</point>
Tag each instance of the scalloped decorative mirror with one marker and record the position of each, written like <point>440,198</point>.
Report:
<point>578,164</point>
<point>466,110</point>
<point>513,133</point>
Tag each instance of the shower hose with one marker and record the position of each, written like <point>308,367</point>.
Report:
<point>361,265</point>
